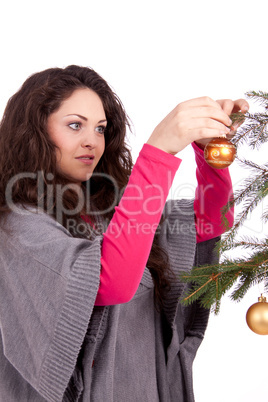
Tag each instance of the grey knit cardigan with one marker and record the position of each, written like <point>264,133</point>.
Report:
<point>56,346</point>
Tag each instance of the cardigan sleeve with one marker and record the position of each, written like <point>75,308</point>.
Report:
<point>49,281</point>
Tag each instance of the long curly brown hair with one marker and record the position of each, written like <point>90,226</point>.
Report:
<point>25,146</point>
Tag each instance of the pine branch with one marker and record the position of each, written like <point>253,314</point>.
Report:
<point>254,130</point>
<point>251,165</point>
<point>245,242</point>
<point>254,190</point>
<point>253,274</point>
<point>260,96</point>
<point>254,133</point>
<point>210,283</point>
<point>264,216</point>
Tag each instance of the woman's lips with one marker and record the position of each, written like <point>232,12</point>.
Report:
<point>87,159</point>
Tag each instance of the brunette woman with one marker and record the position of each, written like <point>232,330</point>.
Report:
<point>91,253</point>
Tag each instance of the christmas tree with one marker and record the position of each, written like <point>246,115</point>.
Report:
<point>210,283</point>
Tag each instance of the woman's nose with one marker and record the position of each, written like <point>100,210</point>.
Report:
<point>89,140</point>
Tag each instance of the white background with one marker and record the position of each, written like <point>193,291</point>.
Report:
<point>156,54</point>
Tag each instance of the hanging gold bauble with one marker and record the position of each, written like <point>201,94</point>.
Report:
<point>219,153</point>
<point>257,317</point>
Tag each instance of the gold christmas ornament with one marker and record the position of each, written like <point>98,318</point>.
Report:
<point>219,153</point>
<point>257,317</point>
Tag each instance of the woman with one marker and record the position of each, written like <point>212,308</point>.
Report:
<point>82,319</point>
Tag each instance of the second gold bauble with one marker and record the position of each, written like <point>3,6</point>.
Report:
<point>257,317</point>
<point>219,153</point>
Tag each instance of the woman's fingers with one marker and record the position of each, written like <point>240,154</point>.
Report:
<point>206,113</point>
<point>194,120</point>
<point>227,105</point>
<point>230,106</point>
<point>201,101</point>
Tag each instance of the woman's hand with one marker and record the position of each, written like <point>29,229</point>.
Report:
<point>229,107</point>
<point>194,120</point>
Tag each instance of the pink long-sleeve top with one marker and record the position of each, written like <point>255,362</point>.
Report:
<point>128,239</point>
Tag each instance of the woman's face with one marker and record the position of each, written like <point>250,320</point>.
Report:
<point>77,128</point>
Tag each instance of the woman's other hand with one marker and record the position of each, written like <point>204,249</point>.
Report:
<point>228,106</point>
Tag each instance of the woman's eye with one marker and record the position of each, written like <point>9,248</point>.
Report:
<point>101,129</point>
<point>75,126</point>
